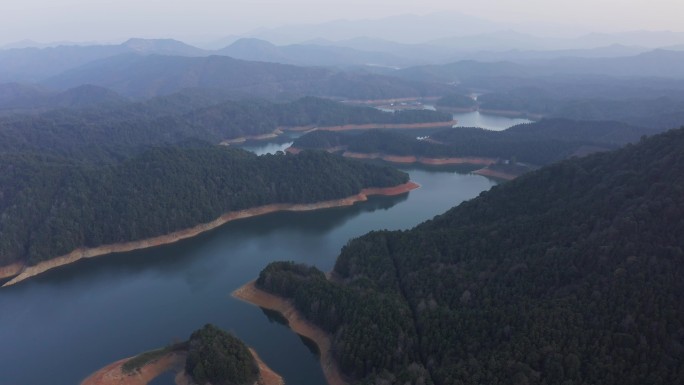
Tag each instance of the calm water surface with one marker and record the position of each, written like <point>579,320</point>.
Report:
<point>490,122</point>
<point>59,327</point>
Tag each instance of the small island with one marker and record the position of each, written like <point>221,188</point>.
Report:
<point>210,356</point>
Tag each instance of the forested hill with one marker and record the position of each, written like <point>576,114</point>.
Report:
<point>572,274</point>
<point>217,357</point>
<point>538,143</point>
<point>106,132</point>
<point>51,206</point>
<point>141,76</point>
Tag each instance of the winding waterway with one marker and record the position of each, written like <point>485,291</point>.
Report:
<point>59,327</point>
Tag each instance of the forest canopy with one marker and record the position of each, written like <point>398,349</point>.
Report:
<point>51,206</point>
<point>571,274</point>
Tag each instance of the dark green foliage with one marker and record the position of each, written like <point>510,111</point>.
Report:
<point>219,358</point>
<point>109,133</point>
<point>323,112</point>
<point>373,335</point>
<point>655,112</point>
<point>49,207</point>
<point>572,274</point>
<point>457,101</point>
<point>538,143</point>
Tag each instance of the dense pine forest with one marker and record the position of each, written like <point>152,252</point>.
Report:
<point>572,274</point>
<point>538,143</point>
<point>219,358</point>
<point>50,206</point>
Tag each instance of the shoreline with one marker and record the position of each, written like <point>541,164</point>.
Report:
<point>495,174</point>
<point>276,133</point>
<point>11,270</point>
<point>251,294</point>
<point>407,159</point>
<point>76,255</point>
<point>370,126</point>
<point>113,374</point>
<point>266,375</point>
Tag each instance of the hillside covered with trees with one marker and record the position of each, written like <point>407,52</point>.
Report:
<point>538,143</point>
<point>113,131</point>
<point>572,274</point>
<point>50,206</point>
<point>219,358</point>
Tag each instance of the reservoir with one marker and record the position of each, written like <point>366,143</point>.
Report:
<point>490,122</point>
<point>61,326</point>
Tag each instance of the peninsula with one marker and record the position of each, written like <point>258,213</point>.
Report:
<point>228,360</point>
<point>166,195</point>
<point>298,323</point>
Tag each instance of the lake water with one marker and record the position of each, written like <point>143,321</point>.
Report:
<point>490,122</point>
<point>59,327</point>
<point>478,119</point>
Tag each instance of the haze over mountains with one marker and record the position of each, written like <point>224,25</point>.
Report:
<point>397,41</point>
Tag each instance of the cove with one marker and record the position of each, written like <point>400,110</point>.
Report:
<point>59,327</point>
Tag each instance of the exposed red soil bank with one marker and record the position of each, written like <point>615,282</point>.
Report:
<point>300,325</point>
<point>422,160</point>
<point>78,254</point>
<point>113,374</point>
<point>348,127</point>
<point>495,174</point>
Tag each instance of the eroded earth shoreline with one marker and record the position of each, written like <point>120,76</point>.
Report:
<point>300,325</point>
<point>22,272</point>
<point>113,374</point>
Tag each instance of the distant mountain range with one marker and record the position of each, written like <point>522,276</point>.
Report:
<point>657,63</point>
<point>358,68</point>
<point>436,39</point>
<point>141,76</point>
<point>35,64</point>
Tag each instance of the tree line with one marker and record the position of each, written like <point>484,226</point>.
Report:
<point>571,274</point>
<point>50,206</point>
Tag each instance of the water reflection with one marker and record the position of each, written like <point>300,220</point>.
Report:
<point>489,122</point>
<point>120,305</point>
<point>311,345</point>
<point>275,317</point>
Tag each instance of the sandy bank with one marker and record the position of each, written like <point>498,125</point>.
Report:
<point>370,126</point>
<point>113,374</point>
<point>249,293</point>
<point>495,174</point>
<point>421,160</point>
<point>266,375</point>
<point>10,270</point>
<point>78,254</point>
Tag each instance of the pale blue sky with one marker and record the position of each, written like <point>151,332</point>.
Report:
<point>113,20</point>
